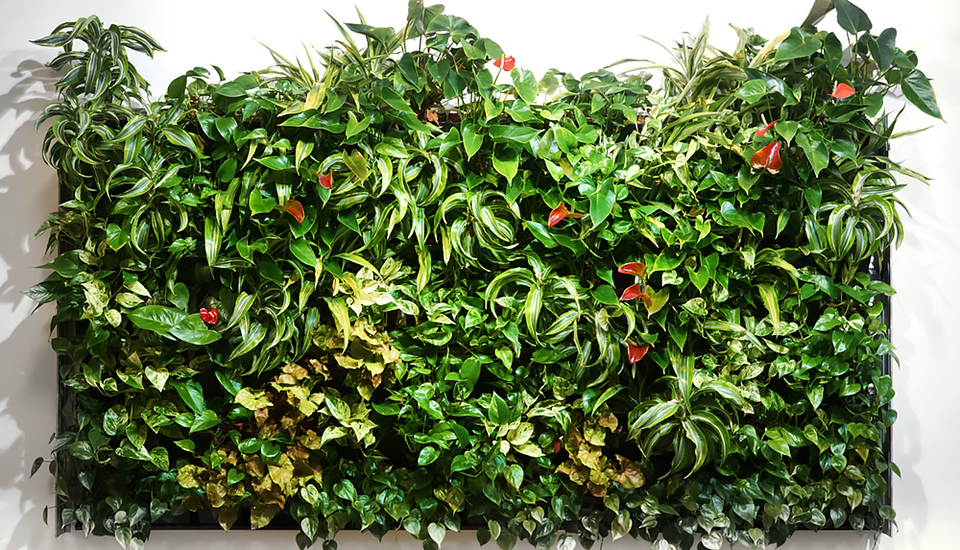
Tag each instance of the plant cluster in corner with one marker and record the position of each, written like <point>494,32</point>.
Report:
<point>408,284</point>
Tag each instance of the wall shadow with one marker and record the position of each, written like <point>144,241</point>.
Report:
<point>28,392</point>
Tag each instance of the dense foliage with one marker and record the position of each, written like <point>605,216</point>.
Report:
<point>419,288</point>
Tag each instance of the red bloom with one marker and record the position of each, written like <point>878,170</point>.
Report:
<point>326,180</point>
<point>768,157</point>
<point>763,131</point>
<point>635,291</point>
<point>295,209</point>
<point>632,292</point>
<point>556,445</point>
<point>636,269</point>
<point>559,213</point>
<point>842,91</point>
<point>505,63</point>
<point>209,316</point>
<point>635,352</point>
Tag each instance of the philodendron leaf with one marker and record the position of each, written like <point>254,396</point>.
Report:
<point>851,18</point>
<point>506,161</point>
<point>916,87</point>
<point>525,83</point>
<point>471,139</point>
<point>798,44</point>
<point>160,319</point>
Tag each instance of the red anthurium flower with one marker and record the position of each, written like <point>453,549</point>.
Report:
<point>763,131</point>
<point>556,445</point>
<point>635,352</point>
<point>295,209</point>
<point>632,292</point>
<point>326,180</point>
<point>635,291</point>
<point>559,213</point>
<point>209,316</point>
<point>636,269</point>
<point>842,91</point>
<point>768,157</point>
<point>505,63</point>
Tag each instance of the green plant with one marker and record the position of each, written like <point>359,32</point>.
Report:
<point>411,290</point>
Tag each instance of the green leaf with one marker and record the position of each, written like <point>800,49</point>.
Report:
<point>605,294</point>
<point>115,419</point>
<point>212,238</point>
<point>815,150</point>
<point>357,164</point>
<point>204,420</point>
<point>513,473</point>
<point>499,411</point>
<point>192,394</point>
<point>192,330</point>
<point>525,83</point>
<point>354,127</point>
<point>506,161</point>
<point>798,44</point>
<point>511,133</point>
<point>602,202</point>
<point>160,458</point>
<point>734,215</point>
<point>159,319</point>
<point>471,139</point>
<point>787,129</point>
<point>427,455</point>
<point>226,125</point>
<point>920,93</point>
<point>779,445</point>
<point>752,91</point>
<point>884,48</point>
<point>302,250</point>
<point>117,236</point>
<point>277,162</point>
<point>771,301</point>
<point>851,18</point>
<point>653,415</point>
<point>261,204</point>
<point>436,532</point>
<point>179,136</point>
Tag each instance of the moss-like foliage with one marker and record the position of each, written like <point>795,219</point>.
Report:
<point>408,284</point>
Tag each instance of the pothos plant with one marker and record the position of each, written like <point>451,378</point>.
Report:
<point>407,284</point>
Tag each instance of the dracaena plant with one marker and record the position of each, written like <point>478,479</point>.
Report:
<point>407,284</point>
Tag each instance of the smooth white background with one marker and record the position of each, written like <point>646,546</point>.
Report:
<point>572,36</point>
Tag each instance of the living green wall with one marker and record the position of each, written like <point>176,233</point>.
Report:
<point>577,305</point>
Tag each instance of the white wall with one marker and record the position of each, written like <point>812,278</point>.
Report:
<point>573,36</point>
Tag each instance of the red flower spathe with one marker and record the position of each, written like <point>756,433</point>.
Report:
<point>295,209</point>
<point>842,91</point>
<point>505,63</point>
<point>326,180</point>
<point>635,352</point>
<point>558,214</point>
<point>763,131</point>
<point>636,269</point>
<point>768,158</point>
<point>209,316</point>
